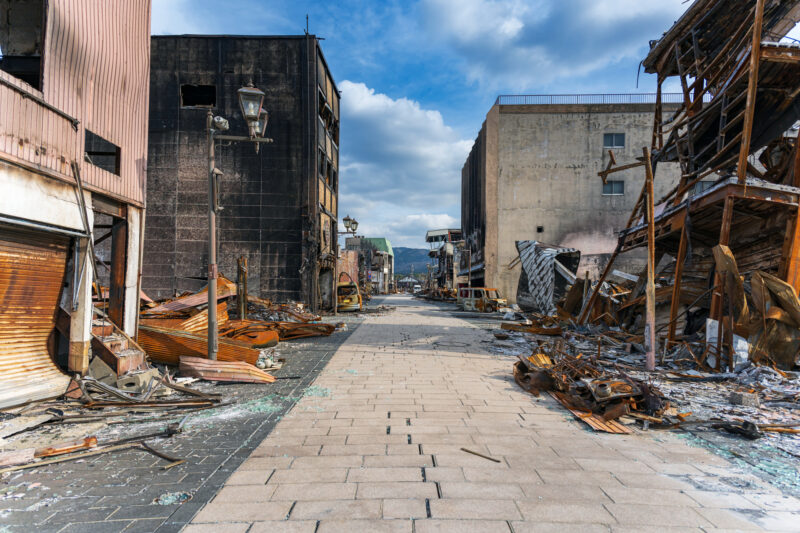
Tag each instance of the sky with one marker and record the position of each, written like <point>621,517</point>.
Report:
<point>417,78</point>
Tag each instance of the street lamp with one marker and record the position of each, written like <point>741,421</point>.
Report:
<point>350,225</point>
<point>251,101</point>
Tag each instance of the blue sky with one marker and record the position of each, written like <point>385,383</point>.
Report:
<point>418,77</point>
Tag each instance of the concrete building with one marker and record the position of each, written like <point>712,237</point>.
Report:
<point>74,79</point>
<point>379,259</point>
<point>280,204</point>
<point>532,175</point>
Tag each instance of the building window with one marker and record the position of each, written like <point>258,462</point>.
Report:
<point>613,188</point>
<point>613,140</point>
<point>21,40</point>
<point>101,153</point>
<point>701,186</point>
<point>539,229</point>
<point>198,96</point>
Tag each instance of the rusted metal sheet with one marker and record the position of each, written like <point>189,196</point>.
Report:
<point>32,269</point>
<point>223,371</point>
<point>168,345</point>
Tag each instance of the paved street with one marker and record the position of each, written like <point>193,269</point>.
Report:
<point>377,447</point>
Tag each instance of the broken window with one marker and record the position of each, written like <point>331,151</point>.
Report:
<point>21,39</point>
<point>101,153</point>
<point>613,140</point>
<point>198,95</point>
<point>613,188</point>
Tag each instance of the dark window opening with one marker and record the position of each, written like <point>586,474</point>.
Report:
<point>198,95</point>
<point>613,188</point>
<point>613,140</point>
<point>539,229</point>
<point>21,40</point>
<point>102,153</point>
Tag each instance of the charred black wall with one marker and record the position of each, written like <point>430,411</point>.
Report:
<point>265,195</point>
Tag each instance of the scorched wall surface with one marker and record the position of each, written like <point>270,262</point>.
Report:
<point>261,193</point>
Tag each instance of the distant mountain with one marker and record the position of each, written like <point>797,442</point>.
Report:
<point>405,257</point>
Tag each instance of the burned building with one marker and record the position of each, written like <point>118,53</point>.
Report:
<point>445,251</point>
<point>378,260</point>
<point>280,204</point>
<point>73,148</point>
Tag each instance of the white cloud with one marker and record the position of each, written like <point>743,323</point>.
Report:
<point>400,166</point>
<point>515,45</point>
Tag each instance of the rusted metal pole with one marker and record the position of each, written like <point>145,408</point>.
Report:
<point>676,286</point>
<point>650,292</point>
<point>752,85</point>
<point>213,336</point>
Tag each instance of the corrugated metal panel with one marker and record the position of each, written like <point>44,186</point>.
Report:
<point>30,133</point>
<point>32,269</point>
<point>97,69</point>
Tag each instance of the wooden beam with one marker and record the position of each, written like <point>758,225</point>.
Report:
<point>119,254</point>
<point>593,298</point>
<point>724,238</point>
<point>650,292</point>
<point>676,286</point>
<point>752,85</point>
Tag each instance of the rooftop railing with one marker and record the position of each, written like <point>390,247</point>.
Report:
<point>567,99</point>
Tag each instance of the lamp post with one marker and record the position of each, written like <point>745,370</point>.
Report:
<point>350,227</point>
<point>251,101</point>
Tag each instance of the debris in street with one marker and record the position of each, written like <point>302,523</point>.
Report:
<point>230,371</point>
<point>481,455</point>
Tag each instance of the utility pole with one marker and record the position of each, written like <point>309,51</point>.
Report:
<point>213,334</point>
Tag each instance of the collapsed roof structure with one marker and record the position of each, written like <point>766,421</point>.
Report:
<point>741,88</point>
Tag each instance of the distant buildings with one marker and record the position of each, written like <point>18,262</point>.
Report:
<point>378,259</point>
<point>445,243</point>
<point>532,175</point>
<point>280,205</point>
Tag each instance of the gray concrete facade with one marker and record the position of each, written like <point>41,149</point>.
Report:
<point>532,175</point>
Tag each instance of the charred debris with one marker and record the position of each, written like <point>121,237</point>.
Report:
<point>162,379</point>
<point>707,336</point>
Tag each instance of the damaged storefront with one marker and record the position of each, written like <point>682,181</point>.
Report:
<point>72,164</point>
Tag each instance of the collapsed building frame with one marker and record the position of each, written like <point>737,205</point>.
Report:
<point>741,94</point>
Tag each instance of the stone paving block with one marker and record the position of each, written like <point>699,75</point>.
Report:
<point>287,451</point>
<point>354,449</point>
<point>490,491</point>
<point>330,461</point>
<point>461,526</point>
<point>477,509</point>
<point>266,463</point>
<point>336,510</point>
<point>404,508</point>
<point>290,526</point>
<point>245,493</point>
<point>250,512</point>
<point>371,526</point>
<point>309,475</point>
<point>393,490</point>
<point>315,491</point>
<point>649,496</point>
<point>579,513</point>
<point>384,474</point>
<point>397,460</point>
<point>554,527</point>
<point>564,493</point>
<point>658,515</point>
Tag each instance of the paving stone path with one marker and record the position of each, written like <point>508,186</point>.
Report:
<point>377,446</point>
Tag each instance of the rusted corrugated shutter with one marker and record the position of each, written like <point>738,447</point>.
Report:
<point>32,269</point>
